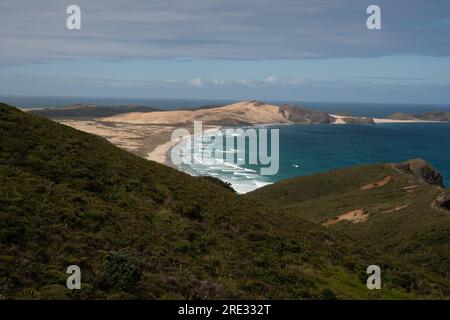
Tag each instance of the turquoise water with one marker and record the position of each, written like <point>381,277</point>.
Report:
<point>309,149</point>
<point>318,148</point>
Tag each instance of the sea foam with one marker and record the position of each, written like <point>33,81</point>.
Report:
<point>241,178</point>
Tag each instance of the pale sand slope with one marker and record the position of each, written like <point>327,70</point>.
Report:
<point>341,120</point>
<point>251,112</point>
<point>376,120</point>
<point>138,139</point>
<point>152,142</point>
<point>161,153</point>
<point>338,119</point>
<point>149,134</point>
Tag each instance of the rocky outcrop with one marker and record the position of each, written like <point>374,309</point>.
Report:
<point>341,119</point>
<point>427,116</point>
<point>402,116</point>
<point>358,120</point>
<point>435,116</point>
<point>422,169</point>
<point>301,115</point>
<point>443,201</point>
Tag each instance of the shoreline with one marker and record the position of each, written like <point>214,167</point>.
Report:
<point>153,143</point>
<point>341,120</point>
<point>162,153</point>
<point>394,121</point>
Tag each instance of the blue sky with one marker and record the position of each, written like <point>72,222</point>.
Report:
<point>256,49</point>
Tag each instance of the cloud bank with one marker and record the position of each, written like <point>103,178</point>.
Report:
<point>221,29</point>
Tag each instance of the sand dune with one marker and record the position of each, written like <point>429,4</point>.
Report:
<point>148,134</point>
<point>241,113</point>
<point>138,139</point>
<point>338,119</point>
<point>376,120</point>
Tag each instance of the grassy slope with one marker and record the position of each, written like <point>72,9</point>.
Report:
<point>418,234</point>
<point>139,229</point>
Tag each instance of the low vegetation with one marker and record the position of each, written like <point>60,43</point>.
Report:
<point>404,211</point>
<point>139,229</point>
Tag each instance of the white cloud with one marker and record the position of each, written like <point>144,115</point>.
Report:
<point>271,80</point>
<point>244,82</point>
<point>295,81</point>
<point>197,82</point>
<point>218,82</point>
<point>221,29</point>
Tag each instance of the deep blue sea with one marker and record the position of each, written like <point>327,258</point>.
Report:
<point>317,148</point>
<point>308,149</point>
<point>354,108</point>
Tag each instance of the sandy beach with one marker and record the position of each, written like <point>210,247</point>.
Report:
<point>380,121</point>
<point>146,141</point>
<point>152,142</point>
<point>148,134</point>
<point>241,113</point>
<point>341,120</point>
<point>162,153</point>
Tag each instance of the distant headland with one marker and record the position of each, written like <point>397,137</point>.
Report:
<point>252,112</point>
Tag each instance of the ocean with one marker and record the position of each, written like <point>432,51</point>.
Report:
<point>309,149</point>
<point>319,148</point>
<point>353,108</point>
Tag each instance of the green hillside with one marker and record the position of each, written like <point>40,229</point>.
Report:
<point>402,217</point>
<point>142,230</point>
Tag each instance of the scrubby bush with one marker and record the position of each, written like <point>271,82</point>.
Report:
<point>327,294</point>
<point>121,271</point>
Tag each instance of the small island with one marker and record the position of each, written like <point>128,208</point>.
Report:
<point>440,116</point>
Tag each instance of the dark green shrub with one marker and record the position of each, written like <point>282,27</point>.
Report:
<point>194,212</point>
<point>327,294</point>
<point>121,271</point>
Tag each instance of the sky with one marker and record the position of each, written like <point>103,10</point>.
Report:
<point>315,50</point>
